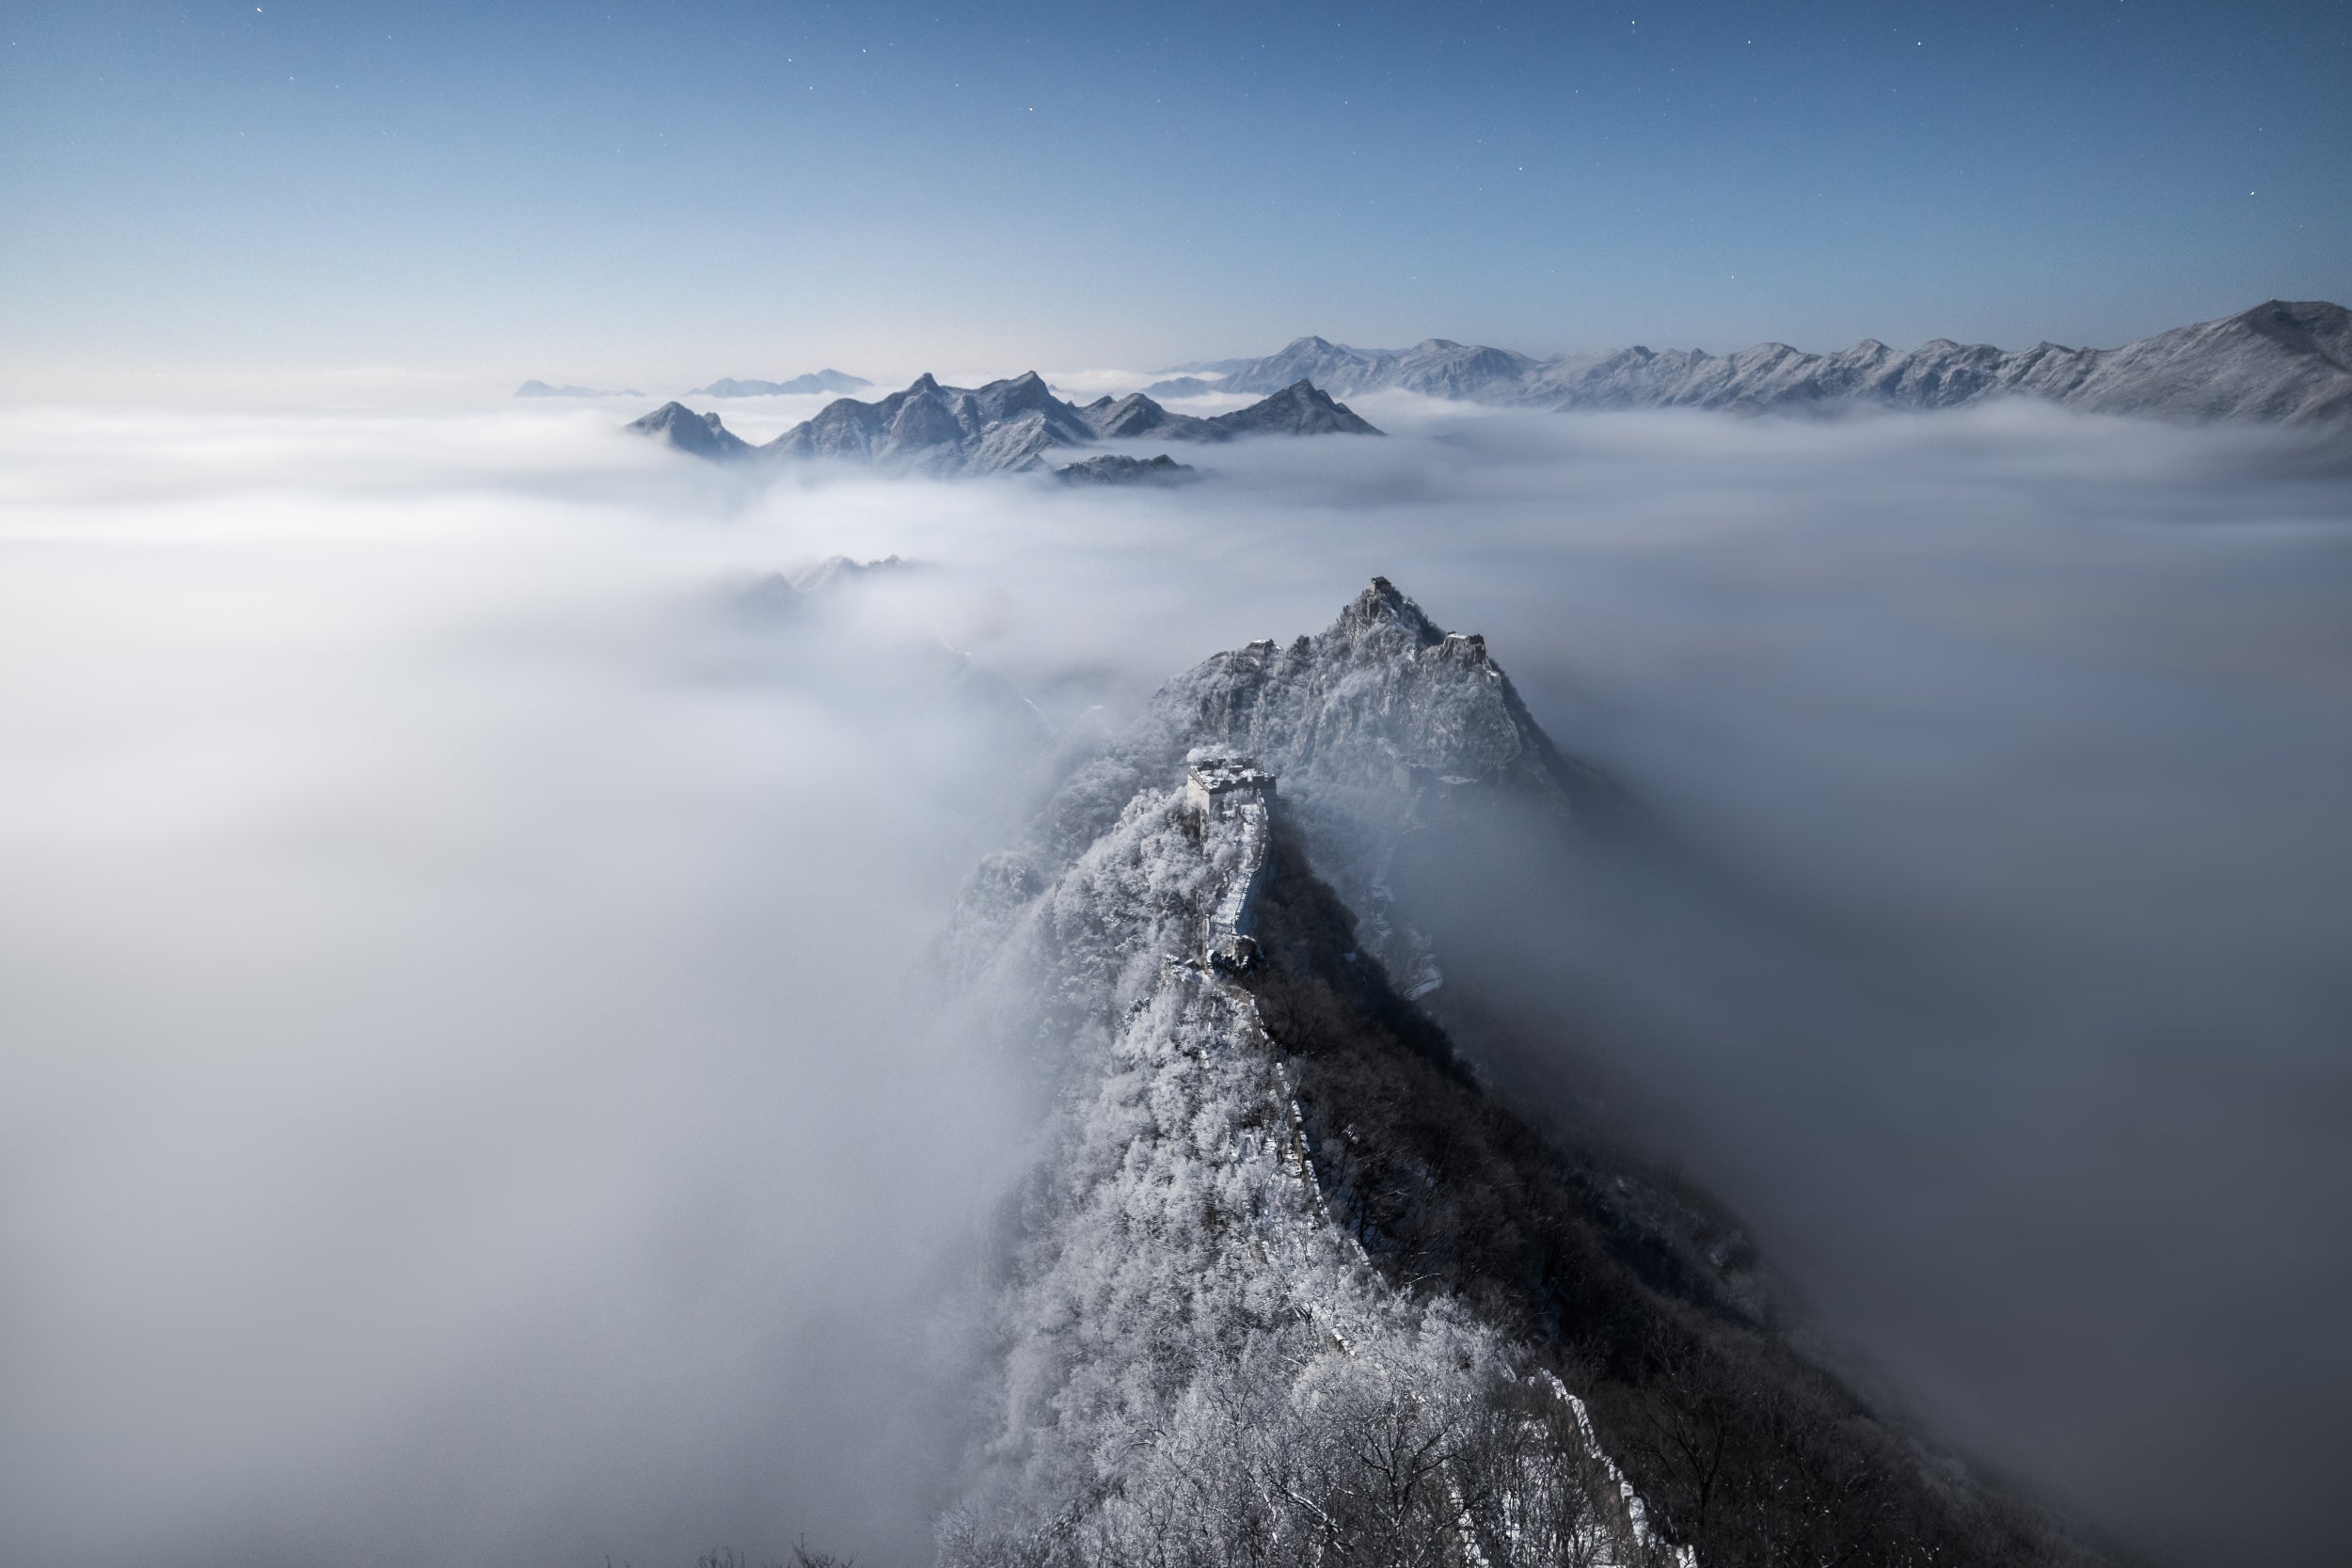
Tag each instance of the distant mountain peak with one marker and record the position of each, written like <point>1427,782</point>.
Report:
<point>1302,408</point>
<point>2311,327</point>
<point>703,434</point>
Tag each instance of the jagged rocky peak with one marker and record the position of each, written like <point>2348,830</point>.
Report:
<point>1384,605</point>
<point>1114,418</point>
<point>1377,723</point>
<point>1302,408</point>
<point>1381,694</point>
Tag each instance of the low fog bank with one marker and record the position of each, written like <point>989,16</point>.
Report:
<point>455,1099</point>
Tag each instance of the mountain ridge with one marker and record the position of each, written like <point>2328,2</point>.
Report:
<point>1005,426</point>
<point>815,381</point>
<point>2283,361</point>
<point>1287,1284</point>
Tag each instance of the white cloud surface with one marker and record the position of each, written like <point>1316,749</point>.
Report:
<point>455,1098</point>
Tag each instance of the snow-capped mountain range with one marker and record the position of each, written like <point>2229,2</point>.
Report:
<point>1005,427</point>
<point>2281,362</point>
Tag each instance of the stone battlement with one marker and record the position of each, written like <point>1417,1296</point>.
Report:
<point>1218,785</point>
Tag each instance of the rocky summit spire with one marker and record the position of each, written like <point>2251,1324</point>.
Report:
<point>1384,604</point>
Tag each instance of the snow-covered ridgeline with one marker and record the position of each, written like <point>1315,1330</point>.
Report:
<point>1192,1346</point>
<point>2282,360</point>
<point>1288,1285</point>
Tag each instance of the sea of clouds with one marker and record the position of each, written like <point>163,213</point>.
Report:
<point>463,1092</point>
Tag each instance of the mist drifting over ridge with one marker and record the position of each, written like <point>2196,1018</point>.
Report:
<point>452,963</point>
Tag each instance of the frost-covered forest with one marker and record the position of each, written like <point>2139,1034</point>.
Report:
<point>1287,1284</point>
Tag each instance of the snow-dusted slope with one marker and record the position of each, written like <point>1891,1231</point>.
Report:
<point>998,428</point>
<point>1287,1286</point>
<point>1200,1363</point>
<point>1300,408</point>
<point>1332,366</point>
<point>2280,362</point>
<point>1372,723</point>
<point>677,425</point>
<point>1009,426</point>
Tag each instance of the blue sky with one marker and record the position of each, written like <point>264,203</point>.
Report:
<point>694,187</point>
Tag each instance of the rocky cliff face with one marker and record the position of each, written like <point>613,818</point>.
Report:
<point>1286,1284</point>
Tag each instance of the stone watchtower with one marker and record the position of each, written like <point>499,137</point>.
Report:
<point>1219,786</point>
<point>1234,797</point>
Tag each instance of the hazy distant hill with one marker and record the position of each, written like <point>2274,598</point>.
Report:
<point>541,389</point>
<point>679,426</point>
<point>815,381</point>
